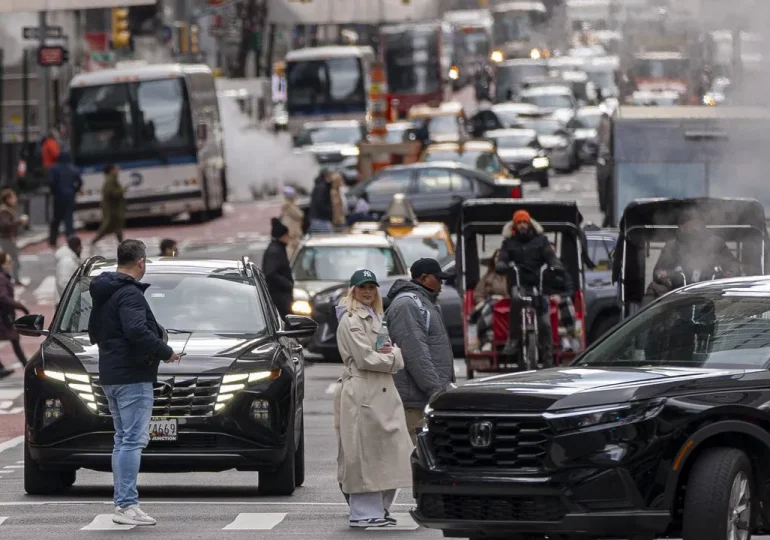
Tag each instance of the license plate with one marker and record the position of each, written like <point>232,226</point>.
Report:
<point>163,429</point>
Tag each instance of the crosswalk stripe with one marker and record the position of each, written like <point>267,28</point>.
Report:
<point>10,394</point>
<point>103,522</point>
<point>2,519</point>
<point>255,522</point>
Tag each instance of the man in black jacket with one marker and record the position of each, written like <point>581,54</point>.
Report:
<point>321,204</point>
<point>65,183</point>
<point>275,266</point>
<point>528,250</point>
<point>131,346</point>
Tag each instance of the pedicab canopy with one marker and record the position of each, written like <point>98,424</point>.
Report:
<point>738,221</point>
<point>481,218</point>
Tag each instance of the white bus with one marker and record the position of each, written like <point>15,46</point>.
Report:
<point>327,83</point>
<point>160,125</point>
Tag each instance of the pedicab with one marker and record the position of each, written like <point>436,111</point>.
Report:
<point>647,224</point>
<point>479,235</point>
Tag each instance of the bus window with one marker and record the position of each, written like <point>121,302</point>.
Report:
<point>338,82</point>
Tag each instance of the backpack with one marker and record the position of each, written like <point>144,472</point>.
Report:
<point>425,312</point>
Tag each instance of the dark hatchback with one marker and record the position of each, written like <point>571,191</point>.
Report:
<point>321,262</point>
<point>661,428</point>
<point>234,401</point>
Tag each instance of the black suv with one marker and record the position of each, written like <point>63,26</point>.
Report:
<point>234,401</point>
<point>659,428</point>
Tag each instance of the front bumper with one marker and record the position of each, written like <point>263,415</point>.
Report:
<point>468,502</point>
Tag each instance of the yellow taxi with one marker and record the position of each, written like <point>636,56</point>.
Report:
<point>480,155</point>
<point>415,239</point>
<point>444,121</point>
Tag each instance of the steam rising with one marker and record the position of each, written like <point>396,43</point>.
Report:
<point>259,162</point>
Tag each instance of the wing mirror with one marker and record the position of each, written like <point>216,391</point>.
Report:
<point>298,326</point>
<point>31,325</point>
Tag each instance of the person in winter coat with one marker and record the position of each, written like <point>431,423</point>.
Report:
<point>321,213</point>
<point>491,283</point>
<point>526,247</point>
<point>416,325</point>
<point>362,210</point>
<point>339,202</point>
<point>275,266</point>
<point>10,222</point>
<point>491,286</point>
<point>8,308</point>
<point>65,182</point>
<point>50,150</point>
<point>113,206</point>
<point>373,442</point>
<point>292,216</point>
<point>67,262</point>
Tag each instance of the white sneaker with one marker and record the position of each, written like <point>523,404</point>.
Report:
<point>131,515</point>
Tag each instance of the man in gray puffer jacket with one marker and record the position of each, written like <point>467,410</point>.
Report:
<point>415,324</point>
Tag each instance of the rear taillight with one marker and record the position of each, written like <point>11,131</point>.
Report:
<point>516,192</point>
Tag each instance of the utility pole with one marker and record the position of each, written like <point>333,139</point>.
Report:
<point>44,83</point>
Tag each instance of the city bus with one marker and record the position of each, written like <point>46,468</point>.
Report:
<point>160,125</point>
<point>417,58</point>
<point>327,83</point>
<point>520,30</point>
<point>473,34</point>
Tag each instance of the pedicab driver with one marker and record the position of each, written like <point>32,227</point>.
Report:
<point>526,247</point>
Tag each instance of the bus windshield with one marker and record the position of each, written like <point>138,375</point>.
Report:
<point>472,42</point>
<point>131,121</point>
<point>669,69</point>
<point>412,61</point>
<point>512,26</point>
<point>325,85</point>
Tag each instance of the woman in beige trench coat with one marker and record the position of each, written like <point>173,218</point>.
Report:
<point>373,441</point>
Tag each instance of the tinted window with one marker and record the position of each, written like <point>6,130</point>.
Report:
<point>708,330</point>
<point>335,263</point>
<point>225,304</point>
<point>599,250</point>
<point>412,61</point>
<point>442,181</point>
<point>484,161</point>
<point>331,82</point>
<point>390,183</point>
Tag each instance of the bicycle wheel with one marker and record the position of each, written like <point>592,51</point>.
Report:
<point>531,351</point>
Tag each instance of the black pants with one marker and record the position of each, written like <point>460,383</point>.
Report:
<point>16,344</point>
<point>544,334</point>
<point>62,212</point>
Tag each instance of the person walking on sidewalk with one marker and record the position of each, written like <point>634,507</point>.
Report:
<point>113,206</point>
<point>131,346</point>
<point>8,308</point>
<point>65,182</point>
<point>67,262</point>
<point>10,222</point>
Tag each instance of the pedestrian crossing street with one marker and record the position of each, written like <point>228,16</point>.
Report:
<point>244,521</point>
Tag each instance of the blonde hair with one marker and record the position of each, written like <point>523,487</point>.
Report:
<point>351,304</point>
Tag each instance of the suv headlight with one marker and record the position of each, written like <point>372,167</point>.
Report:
<point>79,383</point>
<point>616,414</point>
<point>233,383</point>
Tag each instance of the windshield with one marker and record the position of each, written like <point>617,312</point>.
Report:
<point>512,26</point>
<point>549,101</point>
<point>473,42</point>
<point>543,126</point>
<point>148,119</point>
<point>330,85</point>
<point>588,121</point>
<point>222,304</point>
<point>510,76</point>
<point>412,61</point>
<point>661,69</point>
<point>329,135</point>
<point>484,161</point>
<point>514,141</point>
<point>334,263</point>
<point>707,330</point>
<point>603,79</point>
<point>443,125</point>
<point>413,248</point>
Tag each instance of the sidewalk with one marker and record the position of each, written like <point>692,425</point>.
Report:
<point>35,235</point>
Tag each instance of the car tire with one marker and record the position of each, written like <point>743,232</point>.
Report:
<point>602,325</point>
<point>282,480</point>
<point>40,482</point>
<point>299,457</point>
<point>709,504</point>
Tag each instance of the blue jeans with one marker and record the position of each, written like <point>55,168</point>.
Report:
<point>321,226</point>
<point>131,409</point>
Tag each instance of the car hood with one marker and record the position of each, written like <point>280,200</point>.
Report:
<point>573,387</point>
<point>206,353</point>
<point>510,154</point>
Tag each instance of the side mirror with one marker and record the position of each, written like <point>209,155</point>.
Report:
<point>298,326</point>
<point>31,325</point>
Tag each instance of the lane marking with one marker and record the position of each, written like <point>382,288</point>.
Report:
<point>20,462</point>
<point>169,503</point>
<point>13,443</point>
<point>13,467</point>
<point>331,388</point>
<point>255,522</point>
<point>15,410</point>
<point>10,394</point>
<point>2,519</point>
<point>3,471</point>
<point>103,522</point>
<point>404,523</point>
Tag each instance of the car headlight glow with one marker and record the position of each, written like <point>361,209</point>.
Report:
<point>541,162</point>
<point>496,56</point>
<point>608,415</point>
<point>233,383</point>
<point>454,73</point>
<point>535,54</point>
<point>349,152</point>
<point>301,307</point>
<point>79,383</point>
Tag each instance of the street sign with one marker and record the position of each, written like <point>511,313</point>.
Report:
<point>52,56</point>
<point>51,32</point>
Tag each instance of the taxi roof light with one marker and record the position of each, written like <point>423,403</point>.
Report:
<point>400,212</point>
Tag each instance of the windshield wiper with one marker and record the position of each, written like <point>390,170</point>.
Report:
<point>175,331</point>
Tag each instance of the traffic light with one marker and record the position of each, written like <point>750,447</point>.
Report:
<point>121,36</point>
<point>184,43</point>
